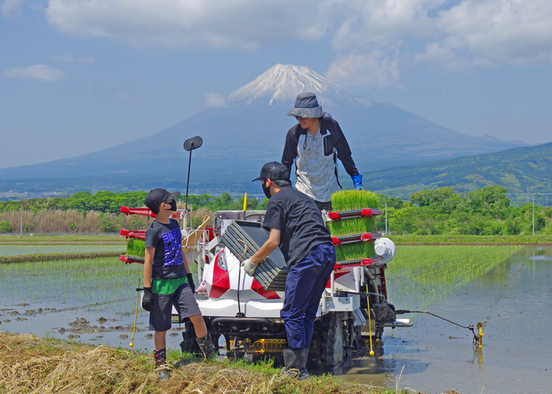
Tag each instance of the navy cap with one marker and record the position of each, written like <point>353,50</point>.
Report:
<point>157,196</point>
<point>275,171</point>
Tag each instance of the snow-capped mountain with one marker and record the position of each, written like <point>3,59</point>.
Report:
<point>248,132</point>
<point>281,84</point>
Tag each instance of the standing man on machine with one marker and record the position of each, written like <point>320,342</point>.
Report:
<point>315,144</point>
<point>296,225</point>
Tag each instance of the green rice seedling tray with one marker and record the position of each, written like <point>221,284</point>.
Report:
<point>136,247</point>
<point>346,200</point>
<point>350,238</point>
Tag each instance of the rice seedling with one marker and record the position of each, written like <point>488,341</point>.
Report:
<point>136,247</point>
<point>100,284</point>
<point>347,200</point>
<point>419,276</point>
<point>357,250</point>
<point>354,199</point>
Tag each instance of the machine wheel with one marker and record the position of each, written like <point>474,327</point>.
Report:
<point>335,345</point>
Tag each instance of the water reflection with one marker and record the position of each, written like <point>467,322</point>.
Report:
<point>513,300</point>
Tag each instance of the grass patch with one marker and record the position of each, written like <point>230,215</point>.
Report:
<point>32,364</point>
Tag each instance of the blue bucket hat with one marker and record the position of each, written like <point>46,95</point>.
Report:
<point>306,106</point>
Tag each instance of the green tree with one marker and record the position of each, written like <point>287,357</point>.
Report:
<point>5,227</point>
<point>489,201</point>
<point>443,200</point>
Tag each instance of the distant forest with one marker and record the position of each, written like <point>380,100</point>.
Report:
<point>485,211</point>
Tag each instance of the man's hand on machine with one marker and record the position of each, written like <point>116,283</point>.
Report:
<point>249,267</point>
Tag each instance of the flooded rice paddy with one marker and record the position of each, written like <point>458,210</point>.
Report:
<point>15,250</point>
<point>94,301</point>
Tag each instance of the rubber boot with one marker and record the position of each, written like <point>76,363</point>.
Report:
<point>161,364</point>
<point>295,363</point>
<point>206,346</point>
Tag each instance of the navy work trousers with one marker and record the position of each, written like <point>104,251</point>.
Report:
<point>305,283</point>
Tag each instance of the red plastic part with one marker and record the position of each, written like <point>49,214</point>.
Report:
<point>221,280</point>
<point>128,259</point>
<point>133,233</point>
<point>366,212</point>
<point>144,212</point>
<point>268,294</point>
<point>347,239</point>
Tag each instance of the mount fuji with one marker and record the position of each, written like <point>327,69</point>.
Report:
<point>247,131</point>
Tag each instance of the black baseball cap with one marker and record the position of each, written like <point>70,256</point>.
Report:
<point>157,196</point>
<point>275,171</point>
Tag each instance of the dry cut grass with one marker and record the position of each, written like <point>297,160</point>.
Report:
<point>29,364</point>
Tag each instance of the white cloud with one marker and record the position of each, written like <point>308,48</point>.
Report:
<point>215,100</point>
<point>373,69</point>
<point>39,71</point>
<point>372,39</point>
<point>11,8</point>
<point>241,24</point>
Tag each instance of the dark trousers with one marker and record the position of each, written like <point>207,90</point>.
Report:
<point>305,283</point>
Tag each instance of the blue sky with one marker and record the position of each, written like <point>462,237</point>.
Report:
<point>78,76</point>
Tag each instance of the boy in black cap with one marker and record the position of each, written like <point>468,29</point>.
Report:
<point>167,281</point>
<point>296,225</point>
<point>315,144</point>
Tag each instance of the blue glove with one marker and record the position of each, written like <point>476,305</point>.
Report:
<point>357,181</point>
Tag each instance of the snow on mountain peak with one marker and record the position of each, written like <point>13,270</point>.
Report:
<point>283,82</point>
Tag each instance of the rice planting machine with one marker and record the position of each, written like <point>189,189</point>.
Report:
<point>242,313</point>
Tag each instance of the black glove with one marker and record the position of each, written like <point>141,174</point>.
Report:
<point>191,281</point>
<point>147,300</point>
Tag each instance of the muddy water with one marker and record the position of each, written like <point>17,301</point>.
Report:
<point>514,301</point>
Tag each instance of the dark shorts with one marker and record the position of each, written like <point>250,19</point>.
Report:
<point>184,302</point>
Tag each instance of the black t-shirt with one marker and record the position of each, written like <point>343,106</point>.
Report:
<point>167,241</point>
<point>299,221</point>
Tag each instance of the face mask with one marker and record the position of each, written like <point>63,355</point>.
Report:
<point>266,190</point>
<point>173,206</point>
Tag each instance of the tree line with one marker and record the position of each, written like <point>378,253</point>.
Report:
<point>485,211</point>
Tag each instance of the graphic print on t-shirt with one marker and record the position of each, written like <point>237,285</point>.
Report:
<point>173,249</point>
